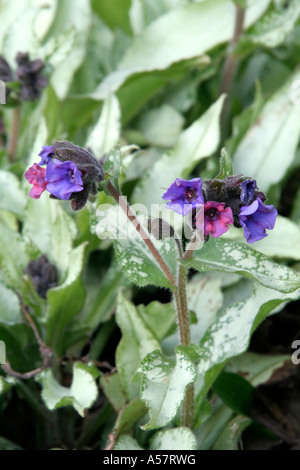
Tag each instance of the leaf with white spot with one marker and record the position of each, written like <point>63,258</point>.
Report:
<point>230,334</point>
<point>237,258</point>
<point>137,341</point>
<point>81,395</point>
<point>163,384</point>
<point>134,257</point>
<point>174,439</point>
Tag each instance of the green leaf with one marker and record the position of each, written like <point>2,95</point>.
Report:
<point>65,301</point>
<point>99,307</point>
<point>150,50</point>
<point>163,384</point>
<point>208,433</point>
<point>235,391</point>
<point>106,132</point>
<point>79,15</point>
<point>111,385</point>
<point>5,384</point>
<point>274,27</point>
<point>225,165</point>
<point>174,439</point>
<point>231,434</point>
<point>51,229</point>
<point>160,314</point>
<point>283,241</point>
<point>268,148</point>
<point>161,126</point>
<point>10,312</point>
<point>5,444</point>
<point>257,368</point>
<point>112,166</point>
<point>137,341</point>
<point>237,258</point>
<point>13,256</point>
<point>196,142</point>
<point>12,198</point>
<point>115,13</point>
<point>129,415</point>
<point>81,395</point>
<point>134,257</point>
<point>127,443</point>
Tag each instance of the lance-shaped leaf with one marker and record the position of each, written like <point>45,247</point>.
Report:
<point>225,165</point>
<point>137,341</point>
<point>163,384</point>
<point>65,301</point>
<point>106,132</point>
<point>12,198</point>
<point>150,50</point>
<point>81,395</point>
<point>238,258</point>
<point>229,335</point>
<point>268,148</point>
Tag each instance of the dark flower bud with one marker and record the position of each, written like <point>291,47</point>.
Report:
<point>235,191</point>
<point>85,161</point>
<point>43,275</point>
<point>160,229</point>
<point>29,75</point>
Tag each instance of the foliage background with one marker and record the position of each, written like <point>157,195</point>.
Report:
<point>146,73</point>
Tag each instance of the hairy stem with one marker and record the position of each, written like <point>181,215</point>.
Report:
<point>179,288</point>
<point>131,216</point>
<point>13,142</point>
<point>187,409</point>
<point>230,66</point>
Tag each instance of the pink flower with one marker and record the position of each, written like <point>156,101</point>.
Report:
<point>36,175</point>
<point>216,218</point>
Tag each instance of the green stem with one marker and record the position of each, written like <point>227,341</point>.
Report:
<point>230,66</point>
<point>13,142</point>
<point>187,409</point>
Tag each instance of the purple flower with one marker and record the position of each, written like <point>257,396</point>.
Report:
<point>256,218</point>
<point>248,188</point>
<point>63,178</point>
<point>184,195</point>
<point>217,217</point>
<point>46,154</point>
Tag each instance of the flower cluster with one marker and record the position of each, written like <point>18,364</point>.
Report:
<point>71,173</point>
<point>28,74</point>
<point>235,200</point>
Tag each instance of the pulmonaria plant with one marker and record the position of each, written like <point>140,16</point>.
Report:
<point>71,173</point>
<point>232,201</point>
